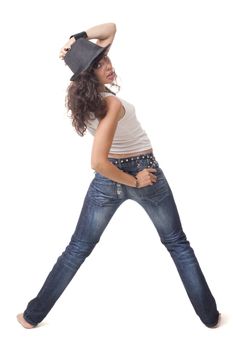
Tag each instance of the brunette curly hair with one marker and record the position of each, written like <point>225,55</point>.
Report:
<point>84,100</point>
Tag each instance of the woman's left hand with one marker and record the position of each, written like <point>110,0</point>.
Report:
<point>66,48</point>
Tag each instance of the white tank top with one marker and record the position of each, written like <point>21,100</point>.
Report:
<point>129,136</point>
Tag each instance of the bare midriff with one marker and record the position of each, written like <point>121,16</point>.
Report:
<point>127,155</point>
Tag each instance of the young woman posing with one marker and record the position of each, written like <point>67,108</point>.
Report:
<point>125,168</point>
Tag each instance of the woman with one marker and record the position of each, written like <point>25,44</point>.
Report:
<point>125,168</point>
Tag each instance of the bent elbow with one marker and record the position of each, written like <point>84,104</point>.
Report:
<point>114,27</point>
<point>98,165</point>
<point>95,165</point>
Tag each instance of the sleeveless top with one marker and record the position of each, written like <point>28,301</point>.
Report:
<point>129,136</point>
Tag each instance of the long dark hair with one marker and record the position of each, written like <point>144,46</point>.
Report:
<point>84,100</point>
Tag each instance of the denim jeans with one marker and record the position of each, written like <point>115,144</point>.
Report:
<point>103,198</point>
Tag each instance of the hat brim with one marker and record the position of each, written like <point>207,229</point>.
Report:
<point>74,77</point>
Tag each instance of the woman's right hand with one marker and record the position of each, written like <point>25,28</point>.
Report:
<point>66,48</point>
<point>146,177</point>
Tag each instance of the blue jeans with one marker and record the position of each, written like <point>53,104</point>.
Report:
<point>103,198</point>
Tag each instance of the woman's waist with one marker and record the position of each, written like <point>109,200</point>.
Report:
<point>134,163</point>
<point>130,155</point>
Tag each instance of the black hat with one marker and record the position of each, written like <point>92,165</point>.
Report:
<point>82,54</point>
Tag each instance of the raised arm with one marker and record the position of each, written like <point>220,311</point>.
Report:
<point>103,33</point>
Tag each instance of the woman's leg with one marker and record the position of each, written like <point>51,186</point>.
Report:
<point>158,202</point>
<point>100,204</point>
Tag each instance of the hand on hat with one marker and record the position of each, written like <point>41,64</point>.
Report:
<point>66,48</point>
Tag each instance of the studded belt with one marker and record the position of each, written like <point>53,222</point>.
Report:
<point>129,159</point>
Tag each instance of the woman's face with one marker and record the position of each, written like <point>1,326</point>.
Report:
<point>104,70</point>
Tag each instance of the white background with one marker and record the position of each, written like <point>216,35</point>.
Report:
<point>174,63</point>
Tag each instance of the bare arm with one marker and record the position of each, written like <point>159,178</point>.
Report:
<point>102,143</point>
<point>104,33</point>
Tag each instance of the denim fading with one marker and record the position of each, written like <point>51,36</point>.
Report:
<point>103,198</point>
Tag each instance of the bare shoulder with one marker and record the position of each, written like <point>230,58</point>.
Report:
<point>114,106</point>
<point>112,100</point>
